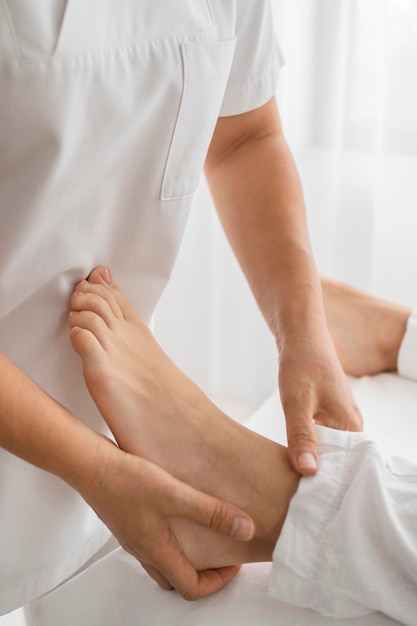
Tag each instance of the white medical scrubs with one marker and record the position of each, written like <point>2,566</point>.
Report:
<point>107,109</point>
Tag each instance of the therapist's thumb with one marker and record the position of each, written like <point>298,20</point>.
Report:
<point>302,445</point>
<point>220,516</point>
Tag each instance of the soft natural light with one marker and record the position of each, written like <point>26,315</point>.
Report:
<point>348,99</point>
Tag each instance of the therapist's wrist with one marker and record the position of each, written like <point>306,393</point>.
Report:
<point>296,313</point>
<point>84,460</point>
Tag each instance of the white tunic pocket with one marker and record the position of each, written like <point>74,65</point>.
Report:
<point>206,67</point>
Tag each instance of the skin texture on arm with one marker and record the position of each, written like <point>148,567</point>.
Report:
<point>257,193</point>
<point>136,499</point>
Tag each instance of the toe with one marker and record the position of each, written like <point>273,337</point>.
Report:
<point>84,342</point>
<point>92,323</point>
<point>104,307</point>
<point>102,276</point>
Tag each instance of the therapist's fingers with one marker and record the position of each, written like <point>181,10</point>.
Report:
<point>172,570</point>
<point>167,563</point>
<point>139,502</point>
<point>313,389</point>
<point>157,577</point>
<point>193,585</point>
<point>214,513</point>
<point>169,567</point>
<point>302,444</point>
<point>183,577</point>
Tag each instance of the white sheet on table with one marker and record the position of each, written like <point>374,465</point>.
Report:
<point>117,591</point>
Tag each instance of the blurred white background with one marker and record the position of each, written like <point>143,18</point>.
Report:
<point>348,102</point>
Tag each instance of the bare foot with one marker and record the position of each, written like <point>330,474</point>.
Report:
<point>155,411</point>
<point>367,332</point>
<point>129,377</point>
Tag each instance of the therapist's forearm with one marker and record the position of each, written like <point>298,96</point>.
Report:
<point>259,199</point>
<point>258,195</point>
<point>39,430</point>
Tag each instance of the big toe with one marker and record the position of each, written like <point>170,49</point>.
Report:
<point>102,276</point>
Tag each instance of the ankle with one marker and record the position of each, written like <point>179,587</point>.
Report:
<point>392,326</point>
<point>270,510</point>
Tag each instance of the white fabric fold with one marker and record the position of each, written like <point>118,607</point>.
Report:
<point>349,543</point>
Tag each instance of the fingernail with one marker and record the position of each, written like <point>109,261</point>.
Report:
<point>106,276</point>
<point>307,461</point>
<point>242,528</point>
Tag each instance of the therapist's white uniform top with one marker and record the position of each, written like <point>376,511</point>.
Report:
<point>107,109</point>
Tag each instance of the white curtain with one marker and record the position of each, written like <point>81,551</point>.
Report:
<point>349,105</point>
<point>348,102</point>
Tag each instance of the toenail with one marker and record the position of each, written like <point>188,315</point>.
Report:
<point>106,276</point>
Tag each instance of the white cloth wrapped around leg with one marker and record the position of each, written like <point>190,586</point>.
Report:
<point>349,543</point>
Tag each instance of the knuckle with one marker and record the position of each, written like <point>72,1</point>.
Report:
<point>300,437</point>
<point>217,518</point>
<point>298,404</point>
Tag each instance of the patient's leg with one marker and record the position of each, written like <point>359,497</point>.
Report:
<point>367,332</point>
<point>157,412</point>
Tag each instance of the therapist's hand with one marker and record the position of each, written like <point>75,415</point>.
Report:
<point>313,388</point>
<point>137,501</point>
